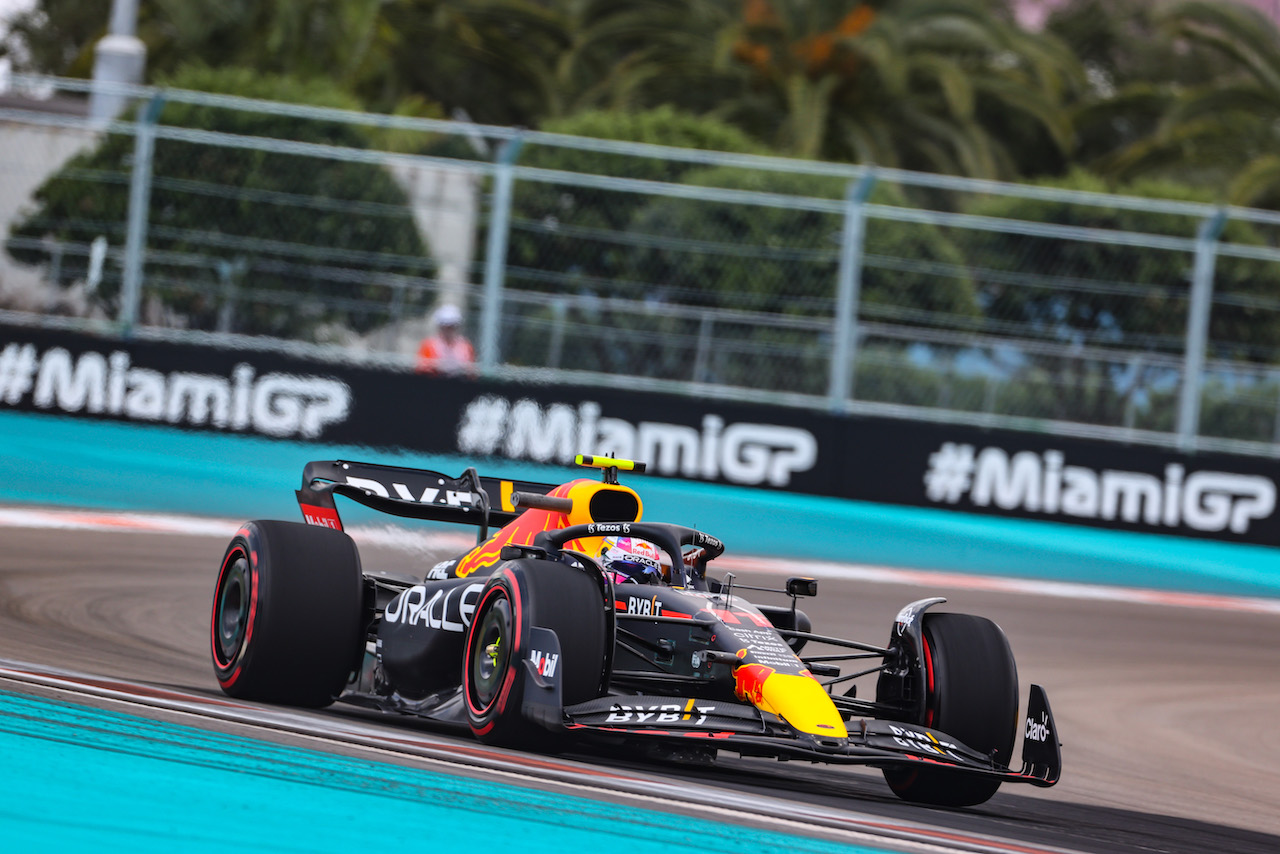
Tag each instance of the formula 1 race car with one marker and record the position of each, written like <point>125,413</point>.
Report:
<point>531,639</point>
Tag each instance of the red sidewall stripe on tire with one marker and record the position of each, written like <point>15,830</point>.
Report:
<point>500,701</point>
<point>469,647</point>
<point>517,647</point>
<point>928,709</point>
<point>251,558</point>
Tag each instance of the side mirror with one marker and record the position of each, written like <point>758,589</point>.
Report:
<point>516,552</point>
<point>802,587</point>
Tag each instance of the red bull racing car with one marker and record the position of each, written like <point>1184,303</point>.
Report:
<point>575,620</point>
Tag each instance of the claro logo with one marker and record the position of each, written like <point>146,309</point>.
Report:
<point>1207,501</point>
<point>271,404</point>
<point>739,453</point>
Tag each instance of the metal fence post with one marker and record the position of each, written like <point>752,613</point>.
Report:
<point>144,142</point>
<point>495,262</point>
<point>848,287</point>
<point>1198,329</point>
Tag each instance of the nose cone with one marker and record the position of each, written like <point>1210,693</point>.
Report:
<point>799,700</point>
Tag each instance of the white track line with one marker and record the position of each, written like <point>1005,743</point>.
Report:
<point>532,770</point>
<point>425,542</point>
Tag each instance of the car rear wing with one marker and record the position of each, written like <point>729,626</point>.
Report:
<point>411,493</point>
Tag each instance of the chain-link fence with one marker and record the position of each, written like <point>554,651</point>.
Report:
<point>799,283</point>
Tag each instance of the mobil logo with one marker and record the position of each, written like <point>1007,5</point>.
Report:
<point>544,663</point>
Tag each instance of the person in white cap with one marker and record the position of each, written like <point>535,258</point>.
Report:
<point>448,351</point>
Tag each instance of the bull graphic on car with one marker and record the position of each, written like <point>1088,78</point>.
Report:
<point>538,638</point>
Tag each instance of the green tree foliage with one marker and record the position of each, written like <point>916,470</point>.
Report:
<point>1190,91</point>
<point>638,268</point>
<point>56,36</point>
<point>1151,310</point>
<point>785,258</point>
<point>943,85</point>
<point>265,214</point>
<point>783,261</point>
<point>579,241</point>
<point>334,38</point>
<point>1090,293</point>
<point>550,221</point>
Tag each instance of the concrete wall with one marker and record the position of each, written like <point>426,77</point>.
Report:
<point>28,155</point>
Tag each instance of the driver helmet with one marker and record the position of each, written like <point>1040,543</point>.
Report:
<point>627,559</point>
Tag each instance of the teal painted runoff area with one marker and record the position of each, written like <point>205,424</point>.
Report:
<point>94,780</point>
<point>73,462</point>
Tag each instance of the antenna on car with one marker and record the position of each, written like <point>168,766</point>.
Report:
<point>609,466</point>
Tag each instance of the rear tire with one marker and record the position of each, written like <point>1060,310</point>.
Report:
<point>520,595</point>
<point>286,625</point>
<point>971,693</point>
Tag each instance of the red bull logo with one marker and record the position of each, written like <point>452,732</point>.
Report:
<point>533,522</point>
<point>748,682</point>
<point>519,532</point>
<point>799,699</point>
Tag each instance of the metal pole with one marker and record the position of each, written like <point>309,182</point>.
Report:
<point>124,17</point>
<point>144,141</point>
<point>495,263</point>
<point>700,370</point>
<point>1198,329</point>
<point>559,313</point>
<point>848,287</point>
<point>1275,434</point>
<point>119,57</point>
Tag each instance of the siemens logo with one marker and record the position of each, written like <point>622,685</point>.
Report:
<point>280,405</point>
<point>749,454</point>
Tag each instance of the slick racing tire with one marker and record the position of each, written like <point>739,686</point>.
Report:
<point>971,693</point>
<point>287,614</point>
<point>521,594</point>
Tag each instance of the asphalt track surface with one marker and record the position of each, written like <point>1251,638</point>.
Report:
<point>1167,714</point>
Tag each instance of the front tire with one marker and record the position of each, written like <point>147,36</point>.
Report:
<point>286,625</point>
<point>520,595</point>
<point>971,693</point>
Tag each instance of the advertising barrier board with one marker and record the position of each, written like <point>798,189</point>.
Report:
<point>274,394</point>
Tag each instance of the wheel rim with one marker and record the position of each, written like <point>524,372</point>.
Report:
<point>232,620</point>
<point>491,653</point>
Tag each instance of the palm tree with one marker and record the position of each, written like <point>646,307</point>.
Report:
<point>943,85</point>
<point>1225,132</point>
<point>489,57</point>
<point>955,88</point>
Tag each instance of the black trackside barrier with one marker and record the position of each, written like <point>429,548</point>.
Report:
<point>274,394</point>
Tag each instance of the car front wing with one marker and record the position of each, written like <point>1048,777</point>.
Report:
<point>746,730</point>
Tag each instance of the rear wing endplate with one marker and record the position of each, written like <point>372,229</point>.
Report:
<point>410,493</point>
